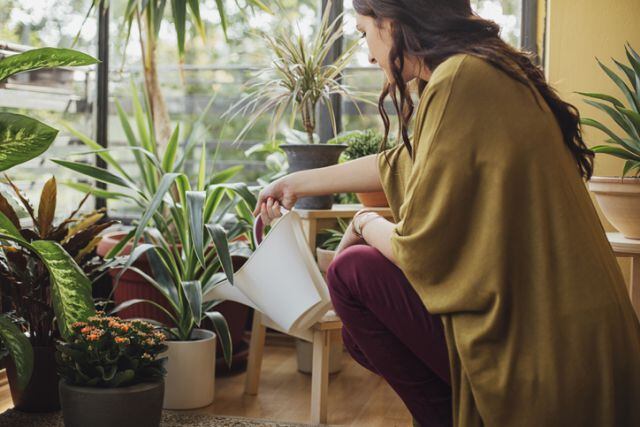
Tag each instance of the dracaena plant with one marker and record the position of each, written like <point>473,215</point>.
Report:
<point>298,78</point>
<point>23,138</point>
<point>626,113</point>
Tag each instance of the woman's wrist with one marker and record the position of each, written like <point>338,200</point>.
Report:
<point>361,219</point>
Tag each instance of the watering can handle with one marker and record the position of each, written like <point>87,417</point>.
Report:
<point>258,227</point>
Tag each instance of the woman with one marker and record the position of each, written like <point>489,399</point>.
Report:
<point>494,298</point>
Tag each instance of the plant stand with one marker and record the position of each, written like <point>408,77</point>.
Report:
<point>623,247</point>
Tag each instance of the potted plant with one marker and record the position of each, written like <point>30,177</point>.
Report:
<point>62,284</point>
<point>299,78</point>
<point>111,374</point>
<point>184,272</point>
<point>153,163</point>
<point>361,143</point>
<point>619,197</point>
<point>27,284</point>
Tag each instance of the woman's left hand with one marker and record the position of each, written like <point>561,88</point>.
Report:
<point>349,238</point>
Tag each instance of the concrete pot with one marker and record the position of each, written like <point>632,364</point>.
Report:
<point>619,200</point>
<point>191,370</point>
<point>138,405</point>
<point>312,156</point>
<point>304,356</point>
<point>374,199</point>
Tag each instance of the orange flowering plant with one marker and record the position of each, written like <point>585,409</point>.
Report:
<point>111,352</point>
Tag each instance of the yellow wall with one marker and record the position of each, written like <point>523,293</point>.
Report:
<point>576,33</point>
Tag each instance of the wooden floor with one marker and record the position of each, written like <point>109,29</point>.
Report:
<point>356,396</point>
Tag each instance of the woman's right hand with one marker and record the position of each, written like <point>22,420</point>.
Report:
<point>278,193</point>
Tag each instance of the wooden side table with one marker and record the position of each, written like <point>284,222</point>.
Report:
<point>315,220</point>
<point>623,247</point>
<point>326,331</point>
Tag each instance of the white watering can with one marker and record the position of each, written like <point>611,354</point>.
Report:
<point>280,279</point>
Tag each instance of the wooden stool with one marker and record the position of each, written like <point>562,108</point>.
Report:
<point>326,331</point>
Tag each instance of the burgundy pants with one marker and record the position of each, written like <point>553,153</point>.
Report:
<point>388,330</point>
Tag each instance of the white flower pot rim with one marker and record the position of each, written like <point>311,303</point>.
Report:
<point>200,335</point>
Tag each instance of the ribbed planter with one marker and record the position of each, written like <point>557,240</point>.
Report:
<point>190,380</point>
<point>312,156</point>
<point>619,200</point>
<point>41,394</point>
<point>138,405</point>
<point>374,199</point>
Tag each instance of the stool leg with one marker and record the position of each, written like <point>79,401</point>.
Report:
<point>256,348</point>
<point>320,376</point>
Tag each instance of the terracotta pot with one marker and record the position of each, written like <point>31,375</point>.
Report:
<point>324,257</point>
<point>374,199</point>
<point>190,379</point>
<point>138,405</point>
<point>619,200</point>
<point>41,394</point>
<point>312,156</point>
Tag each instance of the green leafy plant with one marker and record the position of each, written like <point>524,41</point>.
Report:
<point>180,222</point>
<point>625,115</point>
<point>360,143</point>
<point>23,138</point>
<point>298,78</point>
<point>149,16</point>
<point>334,236</point>
<point>111,352</point>
<point>27,283</point>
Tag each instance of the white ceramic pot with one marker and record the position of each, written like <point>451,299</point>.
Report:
<point>191,370</point>
<point>619,200</point>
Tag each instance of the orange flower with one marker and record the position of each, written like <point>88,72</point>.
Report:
<point>121,340</point>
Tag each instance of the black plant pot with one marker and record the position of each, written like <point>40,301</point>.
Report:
<point>138,405</point>
<point>312,156</point>
<point>41,394</point>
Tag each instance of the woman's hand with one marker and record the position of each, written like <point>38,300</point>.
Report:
<point>349,238</point>
<point>278,193</point>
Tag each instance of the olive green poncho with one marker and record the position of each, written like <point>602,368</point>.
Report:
<point>498,235</point>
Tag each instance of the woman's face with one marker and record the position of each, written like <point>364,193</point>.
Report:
<point>379,42</point>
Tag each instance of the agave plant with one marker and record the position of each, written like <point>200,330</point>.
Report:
<point>625,115</point>
<point>23,138</point>
<point>298,78</point>
<point>27,284</point>
<point>181,228</point>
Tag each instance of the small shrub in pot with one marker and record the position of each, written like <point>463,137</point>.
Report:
<point>111,374</point>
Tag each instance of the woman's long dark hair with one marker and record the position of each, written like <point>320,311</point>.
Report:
<point>435,30</point>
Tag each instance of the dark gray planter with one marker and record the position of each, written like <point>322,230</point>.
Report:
<point>138,405</point>
<point>312,156</point>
